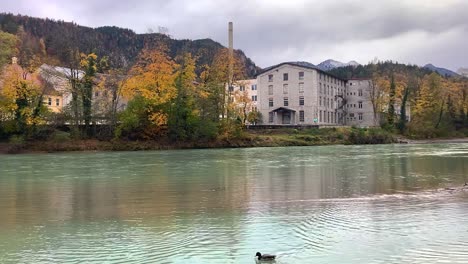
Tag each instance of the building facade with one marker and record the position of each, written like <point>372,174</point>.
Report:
<point>298,93</point>
<point>358,106</point>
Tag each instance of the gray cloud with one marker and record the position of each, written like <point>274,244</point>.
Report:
<point>417,31</point>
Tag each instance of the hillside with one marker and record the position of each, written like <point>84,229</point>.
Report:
<point>122,46</point>
<point>381,68</point>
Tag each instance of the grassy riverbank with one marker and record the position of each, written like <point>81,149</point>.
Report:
<point>61,142</point>
<point>261,138</point>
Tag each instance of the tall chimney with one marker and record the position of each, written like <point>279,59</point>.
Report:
<point>231,54</point>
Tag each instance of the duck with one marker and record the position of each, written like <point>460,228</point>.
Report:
<point>265,257</point>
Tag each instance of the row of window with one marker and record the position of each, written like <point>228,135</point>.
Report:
<point>325,116</point>
<point>354,93</point>
<point>57,101</point>
<point>352,117</point>
<point>285,88</point>
<point>330,117</point>
<point>286,76</point>
<point>327,102</point>
<point>354,105</point>
<point>285,101</point>
<point>330,79</point>
<point>329,90</point>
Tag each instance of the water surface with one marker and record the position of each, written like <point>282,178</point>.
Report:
<point>331,204</point>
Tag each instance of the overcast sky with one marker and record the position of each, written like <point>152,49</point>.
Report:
<point>271,31</point>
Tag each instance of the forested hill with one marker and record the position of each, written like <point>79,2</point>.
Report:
<point>381,69</point>
<point>122,46</point>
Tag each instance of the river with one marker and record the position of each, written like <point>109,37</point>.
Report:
<point>327,204</point>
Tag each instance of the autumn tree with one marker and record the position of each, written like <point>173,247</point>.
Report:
<point>377,96</point>
<point>391,102</point>
<point>21,99</point>
<point>183,117</point>
<point>215,81</point>
<point>152,85</point>
<point>242,103</point>
<point>88,62</point>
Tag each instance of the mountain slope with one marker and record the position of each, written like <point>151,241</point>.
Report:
<point>441,71</point>
<point>121,45</point>
<point>332,64</point>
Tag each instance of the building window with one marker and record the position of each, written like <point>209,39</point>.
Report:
<point>285,76</point>
<point>270,89</point>
<point>286,101</point>
<point>254,98</point>
<point>285,88</point>
<point>301,100</point>
<point>231,88</point>
<point>350,84</point>
<point>270,102</point>
<point>254,87</point>
<point>360,92</point>
<point>270,77</point>
<point>301,75</point>
<point>360,104</point>
<point>301,87</point>
<point>351,115</point>
<point>242,88</point>
<point>301,116</point>
<point>320,100</point>
<point>57,102</point>
<point>360,116</point>
<point>270,117</point>
<point>50,101</point>
<point>320,116</point>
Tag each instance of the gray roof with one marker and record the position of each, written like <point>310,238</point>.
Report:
<point>302,64</point>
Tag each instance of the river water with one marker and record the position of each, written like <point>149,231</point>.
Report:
<point>330,204</point>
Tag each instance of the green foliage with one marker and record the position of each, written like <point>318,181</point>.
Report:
<point>89,64</point>
<point>8,44</point>
<point>370,136</point>
<point>133,120</point>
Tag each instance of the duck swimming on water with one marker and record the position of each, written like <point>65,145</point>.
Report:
<point>265,257</point>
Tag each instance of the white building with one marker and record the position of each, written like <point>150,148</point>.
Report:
<point>299,93</point>
<point>358,106</point>
<point>246,88</point>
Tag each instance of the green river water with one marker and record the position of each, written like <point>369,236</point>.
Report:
<point>330,204</point>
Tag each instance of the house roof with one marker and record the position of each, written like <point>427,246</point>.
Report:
<point>302,64</point>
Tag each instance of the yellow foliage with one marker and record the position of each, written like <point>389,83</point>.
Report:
<point>153,78</point>
<point>16,84</point>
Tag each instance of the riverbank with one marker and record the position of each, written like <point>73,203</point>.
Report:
<point>261,138</point>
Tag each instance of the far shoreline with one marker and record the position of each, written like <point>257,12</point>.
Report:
<point>93,145</point>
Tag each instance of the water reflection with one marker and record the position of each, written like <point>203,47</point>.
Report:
<point>221,206</point>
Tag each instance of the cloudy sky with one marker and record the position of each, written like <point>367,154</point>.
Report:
<point>272,31</point>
